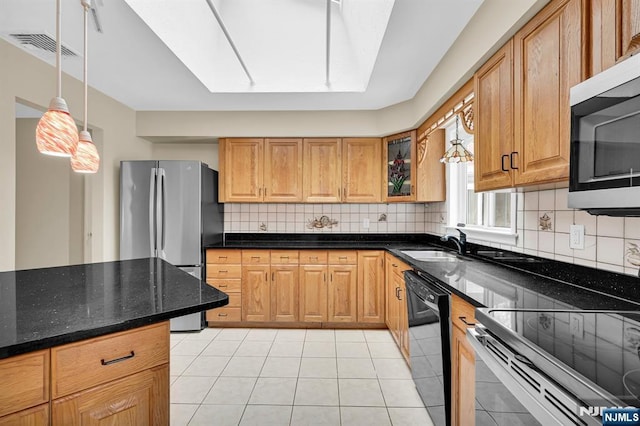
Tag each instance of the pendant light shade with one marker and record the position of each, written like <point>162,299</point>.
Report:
<point>57,133</point>
<point>456,153</point>
<point>86,158</point>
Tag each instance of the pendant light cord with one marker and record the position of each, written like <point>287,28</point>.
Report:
<point>59,46</point>
<point>85,6</point>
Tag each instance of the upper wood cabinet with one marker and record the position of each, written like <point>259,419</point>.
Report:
<point>615,24</point>
<point>361,159</point>
<point>493,144</point>
<point>254,170</point>
<point>399,167</point>
<point>430,172</point>
<point>322,171</point>
<point>549,57</point>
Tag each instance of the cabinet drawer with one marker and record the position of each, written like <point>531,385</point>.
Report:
<point>85,364</point>
<point>36,416</point>
<point>224,315</point>
<point>24,381</point>
<point>224,271</point>
<point>228,286</point>
<point>461,312</point>
<point>398,267</point>
<point>235,300</point>
<point>343,257</point>
<point>284,257</point>
<point>313,257</point>
<point>256,256</point>
<point>224,256</point>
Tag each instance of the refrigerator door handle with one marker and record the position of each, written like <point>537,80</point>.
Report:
<point>163,178</point>
<point>152,227</point>
<point>158,213</point>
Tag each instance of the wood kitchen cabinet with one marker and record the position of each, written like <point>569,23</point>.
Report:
<point>256,289</point>
<point>361,171</point>
<point>322,170</point>
<point>224,272</point>
<point>399,167</point>
<point>493,144</point>
<point>36,416</point>
<point>313,286</point>
<point>284,285</point>
<point>550,56</point>
<point>24,389</point>
<point>430,172</point>
<point>462,364</point>
<point>257,170</point>
<point>615,31</point>
<point>396,315</point>
<point>371,286</point>
<point>342,289</point>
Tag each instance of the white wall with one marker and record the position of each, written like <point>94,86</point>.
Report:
<point>205,152</point>
<point>31,81</point>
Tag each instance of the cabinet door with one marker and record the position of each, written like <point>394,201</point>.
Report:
<point>256,293</point>
<point>283,170</point>
<point>391,304</point>
<point>140,399</point>
<point>322,174</point>
<point>548,60</point>
<point>463,379</point>
<point>241,170</point>
<point>284,293</point>
<point>313,293</point>
<point>342,293</point>
<point>494,121</point>
<point>36,416</point>
<point>403,319</point>
<point>361,159</point>
<point>399,167</point>
<point>371,286</point>
<point>629,26</point>
<point>430,173</point>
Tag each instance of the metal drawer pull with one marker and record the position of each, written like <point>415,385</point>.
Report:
<point>113,361</point>
<point>464,320</point>
<point>284,257</point>
<point>222,315</point>
<point>223,271</point>
<point>504,168</point>
<point>342,257</point>
<point>222,257</point>
<point>313,258</point>
<point>255,257</point>
<point>222,285</point>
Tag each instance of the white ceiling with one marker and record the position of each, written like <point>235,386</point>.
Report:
<point>130,63</point>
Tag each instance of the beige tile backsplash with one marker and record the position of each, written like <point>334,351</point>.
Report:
<point>608,240</point>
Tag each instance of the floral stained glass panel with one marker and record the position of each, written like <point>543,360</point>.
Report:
<point>399,167</point>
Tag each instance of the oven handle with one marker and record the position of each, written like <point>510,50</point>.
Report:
<point>547,402</point>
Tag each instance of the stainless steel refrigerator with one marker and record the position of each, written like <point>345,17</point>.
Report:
<point>170,209</point>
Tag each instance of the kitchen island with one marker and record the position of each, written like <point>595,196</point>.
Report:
<point>89,343</point>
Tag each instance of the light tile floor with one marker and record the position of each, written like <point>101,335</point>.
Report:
<point>285,377</point>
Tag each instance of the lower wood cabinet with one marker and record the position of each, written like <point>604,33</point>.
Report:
<point>256,292</point>
<point>371,286</point>
<point>463,362</point>
<point>140,399</point>
<point>284,293</point>
<point>396,315</point>
<point>342,289</point>
<point>313,286</point>
<point>36,416</point>
<point>224,272</point>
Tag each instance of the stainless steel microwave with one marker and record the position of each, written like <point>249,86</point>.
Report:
<point>604,176</point>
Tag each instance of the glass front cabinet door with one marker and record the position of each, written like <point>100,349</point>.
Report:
<point>400,167</point>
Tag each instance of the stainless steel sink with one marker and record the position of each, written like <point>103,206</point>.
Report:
<point>431,255</point>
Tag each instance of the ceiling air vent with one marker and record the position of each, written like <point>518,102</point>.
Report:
<point>42,42</point>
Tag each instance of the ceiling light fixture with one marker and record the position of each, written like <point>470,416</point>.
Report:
<point>86,158</point>
<point>57,133</point>
<point>457,153</point>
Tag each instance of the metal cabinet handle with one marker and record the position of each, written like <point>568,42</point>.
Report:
<point>222,315</point>
<point>511,160</point>
<point>399,290</point>
<point>504,168</point>
<point>222,257</point>
<point>325,277</point>
<point>413,189</point>
<point>222,285</point>
<point>397,293</point>
<point>113,361</point>
<point>265,191</point>
<point>464,320</point>
<point>313,258</point>
<point>342,257</point>
<point>222,271</point>
<point>273,276</point>
<point>259,192</point>
<point>284,257</point>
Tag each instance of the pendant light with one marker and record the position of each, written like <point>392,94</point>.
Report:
<point>457,153</point>
<point>86,158</point>
<point>57,133</point>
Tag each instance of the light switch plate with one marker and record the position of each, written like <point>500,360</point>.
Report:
<point>365,223</point>
<point>576,237</point>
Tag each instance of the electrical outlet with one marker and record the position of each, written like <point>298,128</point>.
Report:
<point>576,237</point>
<point>365,223</point>
<point>576,325</point>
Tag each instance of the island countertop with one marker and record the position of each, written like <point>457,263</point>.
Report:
<point>42,308</point>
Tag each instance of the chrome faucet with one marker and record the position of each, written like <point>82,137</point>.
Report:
<point>461,242</point>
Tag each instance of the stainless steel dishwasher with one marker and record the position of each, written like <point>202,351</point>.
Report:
<point>430,344</point>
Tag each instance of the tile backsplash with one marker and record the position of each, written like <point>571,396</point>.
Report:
<point>340,218</point>
<point>543,220</point>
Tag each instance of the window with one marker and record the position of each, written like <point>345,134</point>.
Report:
<point>489,216</point>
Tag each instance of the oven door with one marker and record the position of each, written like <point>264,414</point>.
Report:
<point>605,147</point>
<point>546,402</point>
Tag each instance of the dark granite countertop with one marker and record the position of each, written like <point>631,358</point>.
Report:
<point>42,308</point>
<point>487,277</point>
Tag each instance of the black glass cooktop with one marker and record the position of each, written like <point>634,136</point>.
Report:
<point>602,346</point>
